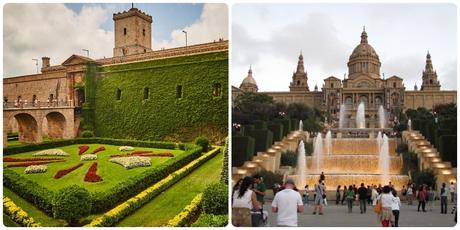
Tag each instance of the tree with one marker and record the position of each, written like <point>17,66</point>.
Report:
<point>71,204</point>
<point>250,106</point>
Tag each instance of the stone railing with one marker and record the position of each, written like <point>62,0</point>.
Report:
<point>37,105</point>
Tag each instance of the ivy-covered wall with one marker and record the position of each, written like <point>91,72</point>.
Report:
<point>162,115</point>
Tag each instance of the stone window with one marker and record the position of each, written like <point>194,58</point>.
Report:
<point>394,84</point>
<point>143,32</point>
<point>118,94</point>
<point>298,82</point>
<point>124,31</point>
<point>179,92</point>
<point>146,93</point>
<point>216,90</point>
<point>332,85</point>
<point>431,81</point>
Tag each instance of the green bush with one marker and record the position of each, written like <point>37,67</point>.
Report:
<point>215,199</point>
<point>87,133</point>
<point>410,162</point>
<point>425,177</point>
<point>308,148</point>
<point>289,158</point>
<point>203,142</point>
<point>270,178</point>
<point>242,150</point>
<point>286,125</point>
<point>258,124</point>
<point>224,172</point>
<point>448,148</point>
<point>210,220</point>
<point>72,203</point>
<point>277,130</point>
<point>263,139</point>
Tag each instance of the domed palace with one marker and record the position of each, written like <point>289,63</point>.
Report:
<point>364,83</point>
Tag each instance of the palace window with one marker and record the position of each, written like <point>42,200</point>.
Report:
<point>143,32</point>
<point>431,81</point>
<point>179,92</point>
<point>332,85</point>
<point>118,95</point>
<point>124,31</point>
<point>394,84</point>
<point>216,90</point>
<point>146,93</point>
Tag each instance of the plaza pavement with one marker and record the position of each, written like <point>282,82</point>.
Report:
<point>338,216</point>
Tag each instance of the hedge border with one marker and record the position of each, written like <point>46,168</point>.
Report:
<point>17,214</point>
<point>185,216</point>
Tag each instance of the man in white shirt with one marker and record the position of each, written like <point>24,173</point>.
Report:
<point>287,203</point>
<point>452,192</point>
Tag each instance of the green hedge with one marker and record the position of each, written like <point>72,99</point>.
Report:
<point>289,159</point>
<point>215,199</point>
<point>448,149</point>
<point>277,130</point>
<point>242,150</point>
<point>224,172</point>
<point>286,125</point>
<point>263,139</point>
<point>94,140</point>
<point>258,124</point>
<point>294,124</point>
<point>210,220</point>
<point>162,114</point>
<point>247,129</point>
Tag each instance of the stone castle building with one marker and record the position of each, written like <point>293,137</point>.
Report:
<point>364,84</point>
<point>50,102</point>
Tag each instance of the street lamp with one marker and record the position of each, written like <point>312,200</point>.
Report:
<point>36,63</point>
<point>185,32</point>
<point>87,52</point>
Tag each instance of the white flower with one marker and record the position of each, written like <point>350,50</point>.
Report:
<point>51,152</point>
<point>88,157</point>
<point>132,162</point>
<point>36,169</point>
<point>126,148</point>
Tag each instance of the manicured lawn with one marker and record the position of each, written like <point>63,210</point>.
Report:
<point>168,204</point>
<point>34,212</point>
<point>17,143</point>
<point>111,173</point>
<point>8,222</point>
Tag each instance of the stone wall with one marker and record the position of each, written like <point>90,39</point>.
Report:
<point>427,99</point>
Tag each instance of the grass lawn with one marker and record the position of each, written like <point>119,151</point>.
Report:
<point>33,212</point>
<point>111,173</point>
<point>168,204</point>
<point>7,222</point>
<point>17,143</point>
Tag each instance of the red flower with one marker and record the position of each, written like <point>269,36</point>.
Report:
<point>147,154</point>
<point>29,163</point>
<point>101,148</point>
<point>82,149</point>
<point>28,159</point>
<point>139,152</point>
<point>64,172</point>
<point>91,175</point>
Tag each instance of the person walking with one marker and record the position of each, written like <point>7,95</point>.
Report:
<point>452,192</point>
<point>337,195</point>
<point>430,194</point>
<point>421,197</point>
<point>386,199</point>
<point>369,195</point>
<point>319,198</point>
<point>410,195</point>
<point>350,195</point>
<point>362,194</point>
<point>444,199</point>
<point>244,199</point>
<point>322,177</point>
<point>305,195</point>
<point>260,189</point>
<point>395,207</point>
<point>286,204</point>
<point>403,193</point>
<point>374,195</point>
<point>344,194</point>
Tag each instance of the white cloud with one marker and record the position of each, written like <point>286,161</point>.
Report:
<point>212,25</point>
<point>53,30</point>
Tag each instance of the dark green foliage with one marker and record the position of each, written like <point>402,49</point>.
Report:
<point>39,196</point>
<point>286,125</point>
<point>263,139</point>
<point>87,133</point>
<point>71,203</point>
<point>294,124</point>
<point>425,177</point>
<point>312,125</point>
<point>203,142</point>
<point>270,178</point>
<point>249,107</point>
<point>289,159</point>
<point>215,199</point>
<point>410,162</point>
<point>162,114</point>
<point>247,129</point>
<point>210,220</point>
<point>224,172</point>
<point>308,148</point>
<point>277,130</point>
<point>448,148</point>
<point>242,150</point>
<point>402,148</point>
<point>258,124</point>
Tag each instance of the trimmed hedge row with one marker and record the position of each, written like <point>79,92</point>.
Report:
<point>277,130</point>
<point>242,150</point>
<point>93,140</point>
<point>224,172</point>
<point>263,139</point>
<point>186,215</point>
<point>18,215</point>
<point>210,220</point>
<point>124,209</point>
<point>286,125</point>
<point>448,148</point>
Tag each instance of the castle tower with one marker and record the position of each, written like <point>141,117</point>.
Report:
<point>364,60</point>
<point>299,78</point>
<point>249,83</point>
<point>133,32</point>
<point>430,77</point>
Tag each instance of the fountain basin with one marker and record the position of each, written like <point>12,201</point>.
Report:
<point>352,164</point>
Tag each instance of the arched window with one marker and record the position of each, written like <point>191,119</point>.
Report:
<point>146,93</point>
<point>216,90</point>
<point>394,84</point>
<point>143,32</point>
<point>431,81</point>
<point>118,95</point>
<point>124,31</point>
<point>332,85</point>
<point>298,82</point>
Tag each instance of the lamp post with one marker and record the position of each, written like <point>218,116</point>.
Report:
<point>185,32</point>
<point>87,52</point>
<point>36,63</point>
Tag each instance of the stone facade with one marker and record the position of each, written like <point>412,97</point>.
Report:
<point>363,84</point>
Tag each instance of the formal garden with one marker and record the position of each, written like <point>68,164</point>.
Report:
<point>114,182</point>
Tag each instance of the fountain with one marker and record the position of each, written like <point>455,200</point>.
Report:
<point>409,125</point>
<point>384,161</point>
<point>382,119</point>
<point>300,126</point>
<point>318,151</point>
<point>342,117</point>
<point>360,117</point>
<point>379,141</point>
<point>328,140</point>
<point>301,165</point>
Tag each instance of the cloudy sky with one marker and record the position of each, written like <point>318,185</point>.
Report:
<point>60,30</point>
<point>270,37</point>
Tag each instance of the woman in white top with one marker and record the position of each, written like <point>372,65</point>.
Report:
<point>244,199</point>
<point>374,195</point>
<point>395,207</point>
<point>386,199</point>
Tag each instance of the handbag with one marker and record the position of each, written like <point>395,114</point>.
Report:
<point>378,207</point>
<point>324,195</point>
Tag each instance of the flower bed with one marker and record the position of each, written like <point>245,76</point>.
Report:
<point>126,148</point>
<point>91,175</point>
<point>145,155</point>
<point>28,159</point>
<point>88,157</point>
<point>36,169</point>
<point>29,163</point>
<point>126,208</point>
<point>51,152</point>
<point>139,152</point>
<point>82,149</point>
<point>186,215</point>
<point>132,161</point>
<point>17,214</point>
<point>64,172</point>
<point>101,148</point>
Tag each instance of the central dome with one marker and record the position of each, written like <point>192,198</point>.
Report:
<point>364,60</point>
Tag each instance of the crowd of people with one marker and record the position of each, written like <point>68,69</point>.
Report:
<point>288,201</point>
